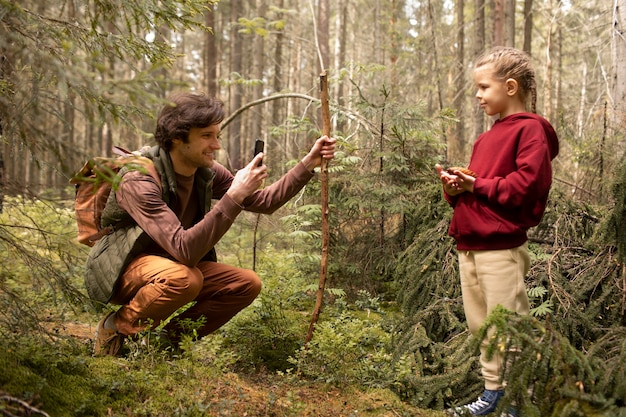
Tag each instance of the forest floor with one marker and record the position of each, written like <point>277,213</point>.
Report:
<point>267,394</point>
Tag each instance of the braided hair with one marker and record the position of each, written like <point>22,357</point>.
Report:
<point>513,63</point>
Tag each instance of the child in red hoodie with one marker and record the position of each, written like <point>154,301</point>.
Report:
<point>512,163</point>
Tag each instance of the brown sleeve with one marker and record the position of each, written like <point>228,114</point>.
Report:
<point>274,196</point>
<point>141,197</point>
<point>270,198</point>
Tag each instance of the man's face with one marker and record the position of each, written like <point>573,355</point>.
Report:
<point>199,151</point>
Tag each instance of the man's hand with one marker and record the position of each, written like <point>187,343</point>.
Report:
<point>248,179</point>
<point>323,148</point>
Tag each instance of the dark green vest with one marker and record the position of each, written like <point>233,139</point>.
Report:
<point>110,256</point>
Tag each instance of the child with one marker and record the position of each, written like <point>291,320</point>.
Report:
<point>492,212</point>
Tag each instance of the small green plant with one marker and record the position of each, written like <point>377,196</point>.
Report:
<point>536,295</point>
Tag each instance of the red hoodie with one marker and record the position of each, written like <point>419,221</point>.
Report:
<point>513,161</point>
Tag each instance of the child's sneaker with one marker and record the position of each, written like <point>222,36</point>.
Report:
<point>484,405</point>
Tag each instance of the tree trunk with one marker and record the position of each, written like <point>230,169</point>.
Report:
<point>456,141</point>
<point>509,22</point>
<point>479,46</point>
<point>547,91</point>
<point>323,43</point>
<point>2,145</point>
<point>433,38</point>
<point>528,25</point>
<point>236,89</point>
<point>210,59</point>
<point>619,66</point>
<point>323,15</point>
<point>498,23</point>
<point>278,67</point>
<point>258,70</point>
<point>341,56</point>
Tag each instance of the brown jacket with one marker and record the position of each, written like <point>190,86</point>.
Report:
<point>174,218</point>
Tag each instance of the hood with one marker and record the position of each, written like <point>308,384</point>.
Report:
<point>553,139</point>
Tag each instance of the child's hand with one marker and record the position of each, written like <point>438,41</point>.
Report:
<point>449,182</point>
<point>464,181</point>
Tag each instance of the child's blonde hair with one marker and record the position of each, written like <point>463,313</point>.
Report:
<point>512,63</point>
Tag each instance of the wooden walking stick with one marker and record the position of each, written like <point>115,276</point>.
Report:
<point>325,224</point>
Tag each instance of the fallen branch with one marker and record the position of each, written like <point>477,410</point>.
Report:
<point>27,408</point>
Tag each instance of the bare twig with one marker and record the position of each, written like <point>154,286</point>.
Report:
<point>28,409</point>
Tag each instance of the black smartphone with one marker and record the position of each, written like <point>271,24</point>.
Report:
<point>259,145</point>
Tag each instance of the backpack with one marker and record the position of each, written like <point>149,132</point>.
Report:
<point>94,182</point>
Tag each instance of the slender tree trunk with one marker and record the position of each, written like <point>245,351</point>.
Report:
<point>528,25</point>
<point>236,90</point>
<point>618,112</point>
<point>498,23</point>
<point>3,62</point>
<point>479,46</point>
<point>258,70</point>
<point>395,11</point>
<point>547,91</point>
<point>323,24</point>
<point>456,141</point>
<point>509,22</point>
<point>341,56</point>
<point>580,121</point>
<point>559,77</point>
<point>278,67</point>
<point>433,37</point>
<point>210,58</point>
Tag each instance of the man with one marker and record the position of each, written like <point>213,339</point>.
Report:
<point>160,256</point>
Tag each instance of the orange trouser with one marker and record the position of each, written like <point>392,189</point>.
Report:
<point>153,288</point>
<point>490,278</point>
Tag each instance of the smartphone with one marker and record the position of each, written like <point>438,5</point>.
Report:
<point>259,145</point>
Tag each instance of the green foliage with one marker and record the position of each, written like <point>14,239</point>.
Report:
<point>546,375</point>
<point>264,335</point>
<point>612,231</point>
<point>73,68</point>
<point>348,349</point>
<point>571,364</point>
<point>37,264</point>
<point>376,190</point>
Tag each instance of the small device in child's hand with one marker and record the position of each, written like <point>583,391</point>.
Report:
<point>259,145</point>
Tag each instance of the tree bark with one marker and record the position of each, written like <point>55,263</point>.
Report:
<point>479,46</point>
<point>341,58</point>
<point>278,67</point>
<point>456,141</point>
<point>618,112</point>
<point>210,49</point>
<point>509,22</point>
<point>498,23</point>
<point>323,42</point>
<point>528,25</point>
<point>236,90</point>
<point>547,91</point>
<point>433,38</point>
<point>258,70</point>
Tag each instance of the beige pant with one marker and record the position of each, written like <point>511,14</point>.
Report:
<point>489,278</point>
<point>153,288</point>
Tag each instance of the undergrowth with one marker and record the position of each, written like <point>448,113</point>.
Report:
<point>369,355</point>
